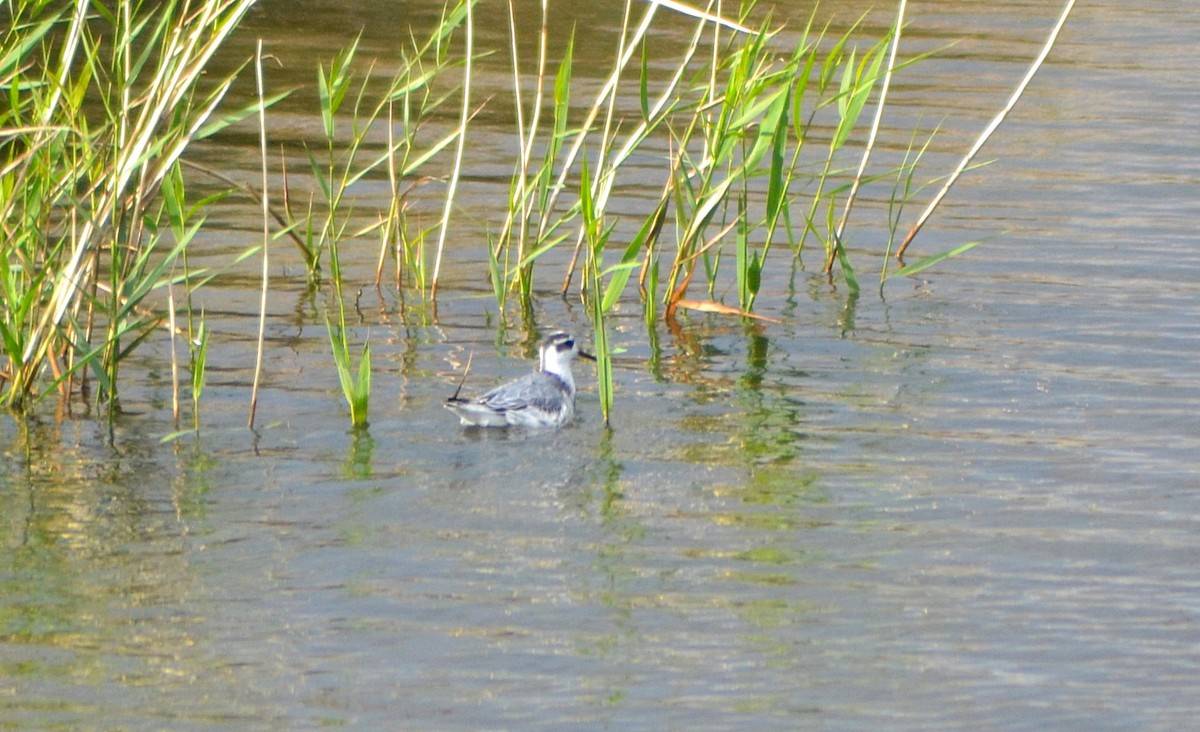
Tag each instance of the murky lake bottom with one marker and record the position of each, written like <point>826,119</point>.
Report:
<point>970,500</point>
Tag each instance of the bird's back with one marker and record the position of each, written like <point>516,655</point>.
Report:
<point>535,400</point>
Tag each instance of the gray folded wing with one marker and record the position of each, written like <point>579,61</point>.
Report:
<point>538,390</point>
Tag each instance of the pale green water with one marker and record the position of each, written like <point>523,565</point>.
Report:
<point>970,502</point>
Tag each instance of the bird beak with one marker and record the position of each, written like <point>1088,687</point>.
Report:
<point>588,356</point>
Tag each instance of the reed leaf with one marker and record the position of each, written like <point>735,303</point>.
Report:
<point>927,262</point>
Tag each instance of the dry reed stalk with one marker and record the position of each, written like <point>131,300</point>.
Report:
<point>266,211</point>
<point>717,18</point>
<point>525,136</point>
<point>280,218</point>
<point>389,228</point>
<point>862,166</point>
<point>174,355</point>
<point>458,155</point>
<point>983,138</point>
<point>539,96</point>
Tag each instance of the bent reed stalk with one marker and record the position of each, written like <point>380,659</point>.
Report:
<point>979,143</point>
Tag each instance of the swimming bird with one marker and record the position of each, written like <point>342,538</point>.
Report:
<point>545,398</point>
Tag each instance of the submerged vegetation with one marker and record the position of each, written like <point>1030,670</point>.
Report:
<point>100,107</point>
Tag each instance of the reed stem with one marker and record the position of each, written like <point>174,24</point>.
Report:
<point>464,118</point>
<point>987,133</point>
<point>266,232</point>
<point>867,149</point>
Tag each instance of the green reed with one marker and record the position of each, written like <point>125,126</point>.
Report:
<point>737,120</point>
<point>351,110</point>
<point>355,389</point>
<point>185,221</point>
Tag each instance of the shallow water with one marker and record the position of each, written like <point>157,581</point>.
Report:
<point>967,501</point>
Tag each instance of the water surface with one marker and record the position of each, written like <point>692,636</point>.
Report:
<point>967,501</point>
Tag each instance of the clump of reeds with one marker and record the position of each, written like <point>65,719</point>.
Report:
<point>350,111</point>
<point>97,108</point>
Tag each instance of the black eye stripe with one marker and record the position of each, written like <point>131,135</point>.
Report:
<point>561,341</point>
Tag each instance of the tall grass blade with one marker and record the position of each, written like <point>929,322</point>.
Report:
<point>931,260</point>
<point>198,352</point>
<point>867,149</point>
<point>464,118</point>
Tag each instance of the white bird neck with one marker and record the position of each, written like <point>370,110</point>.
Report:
<point>558,364</point>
